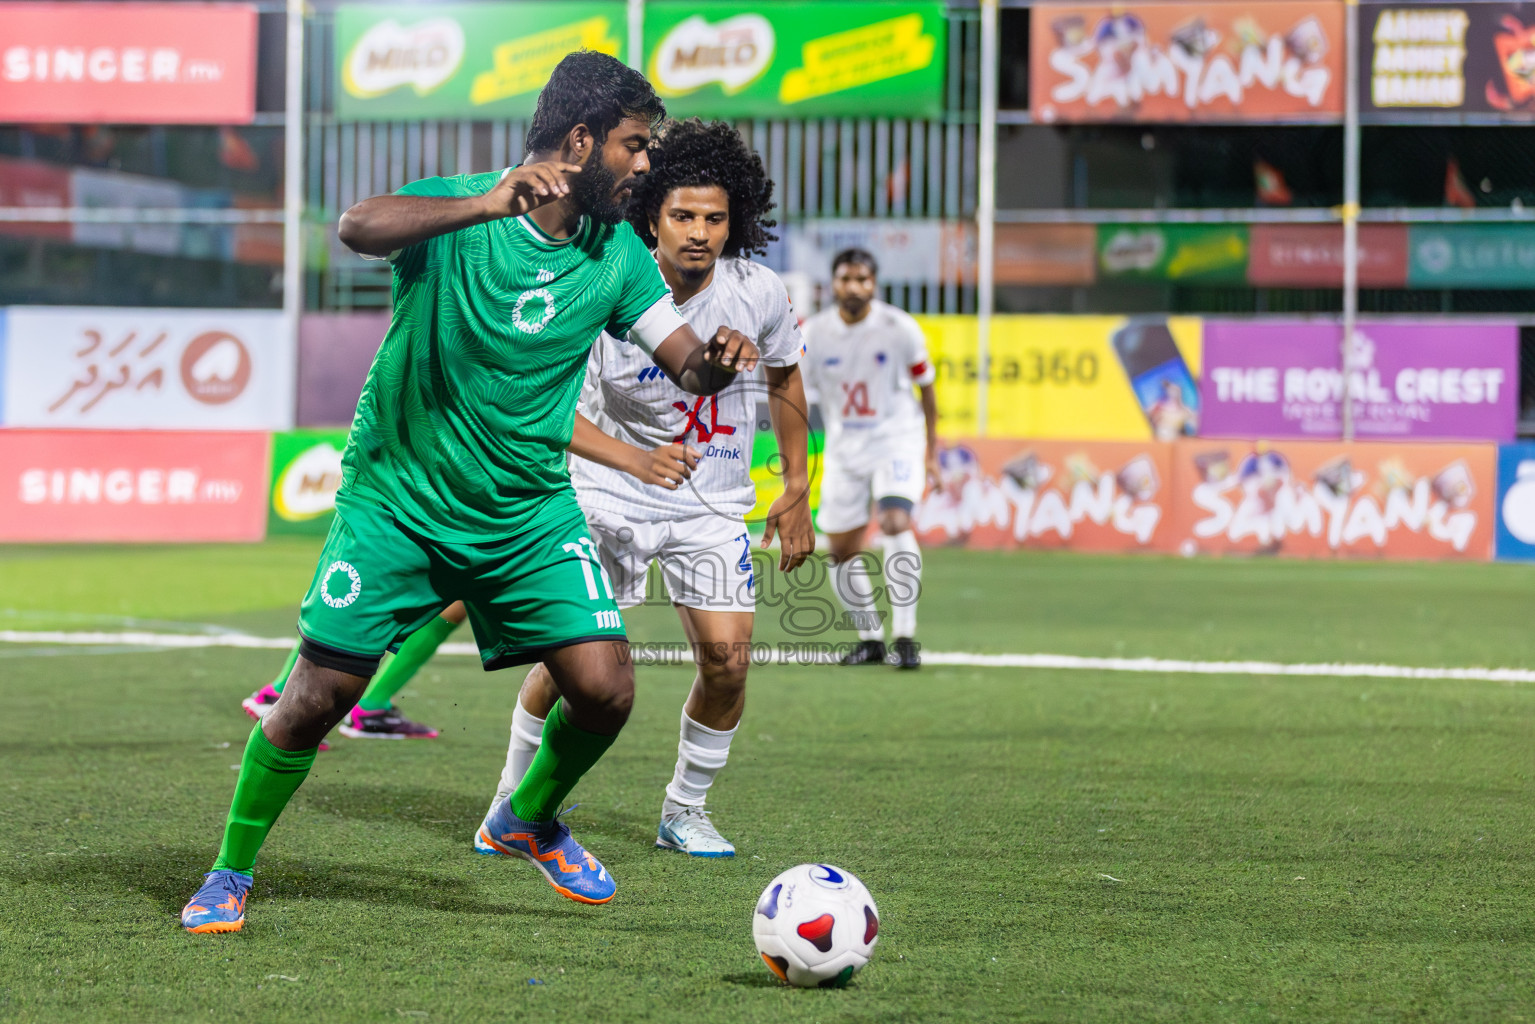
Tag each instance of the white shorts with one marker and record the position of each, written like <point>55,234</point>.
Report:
<point>848,487</point>
<point>705,560</point>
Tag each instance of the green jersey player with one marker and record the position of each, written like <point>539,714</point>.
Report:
<point>454,482</point>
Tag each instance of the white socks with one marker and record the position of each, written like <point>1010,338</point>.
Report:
<point>850,579</point>
<point>527,734</point>
<point>903,585</point>
<point>701,753</point>
<point>903,581</point>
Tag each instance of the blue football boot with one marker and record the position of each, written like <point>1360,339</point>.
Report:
<point>574,873</point>
<point>219,906</point>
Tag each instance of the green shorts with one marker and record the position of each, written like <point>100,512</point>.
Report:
<point>378,581</point>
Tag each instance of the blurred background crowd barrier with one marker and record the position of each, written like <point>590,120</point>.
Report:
<point>1197,276</point>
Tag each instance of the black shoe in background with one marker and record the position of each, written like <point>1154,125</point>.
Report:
<point>868,652</point>
<point>907,653</point>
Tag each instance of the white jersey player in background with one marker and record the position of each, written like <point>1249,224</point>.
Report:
<point>862,357</point>
<point>665,477</point>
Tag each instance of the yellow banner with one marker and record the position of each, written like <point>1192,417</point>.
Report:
<point>1070,377</point>
<point>847,60</point>
<point>524,65</point>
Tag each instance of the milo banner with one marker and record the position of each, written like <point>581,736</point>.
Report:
<point>472,61</point>
<point>306,473</point>
<point>797,59</point>
<point>1185,253</point>
<point>1477,57</point>
<point>1078,377</point>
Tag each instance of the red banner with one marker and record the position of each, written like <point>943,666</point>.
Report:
<point>1254,62</point>
<point>127,63</point>
<point>1083,495</point>
<point>1311,256</point>
<point>1311,499</point>
<point>38,185</point>
<point>72,485</point>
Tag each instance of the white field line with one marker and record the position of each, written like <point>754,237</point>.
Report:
<point>787,655</point>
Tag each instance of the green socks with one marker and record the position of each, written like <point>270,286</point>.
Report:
<point>416,651</point>
<point>268,779</point>
<point>287,669</point>
<point>566,754</point>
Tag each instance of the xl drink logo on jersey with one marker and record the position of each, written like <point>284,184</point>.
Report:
<point>705,434</point>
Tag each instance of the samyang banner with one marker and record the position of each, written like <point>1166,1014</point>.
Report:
<point>127,63</point>
<point>1253,62</point>
<point>830,59</point>
<point>481,61</point>
<point>1466,57</point>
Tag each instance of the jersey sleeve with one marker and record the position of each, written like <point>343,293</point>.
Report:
<point>809,364</point>
<point>780,344</point>
<point>915,343</point>
<point>408,259</point>
<point>641,289</point>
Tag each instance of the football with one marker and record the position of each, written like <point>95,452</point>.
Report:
<point>815,926</point>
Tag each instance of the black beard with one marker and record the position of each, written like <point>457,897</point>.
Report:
<point>592,190</point>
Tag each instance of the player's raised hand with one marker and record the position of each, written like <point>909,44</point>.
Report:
<point>530,186</point>
<point>731,350</point>
<point>668,465</point>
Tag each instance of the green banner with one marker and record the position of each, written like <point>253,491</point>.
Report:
<point>472,61</point>
<point>797,59</point>
<point>1470,255</point>
<point>1195,253</point>
<point>767,475</point>
<point>306,471</point>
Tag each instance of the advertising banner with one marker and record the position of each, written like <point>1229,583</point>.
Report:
<point>1468,57</point>
<point>306,473</point>
<point>1077,377</point>
<point>1043,254</point>
<point>1193,253</point>
<point>1279,379</point>
<point>1471,255</point>
<point>127,63</point>
<point>32,183</point>
<point>335,351</point>
<point>909,251</point>
<point>462,60</point>
<point>170,486</point>
<point>1516,501</point>
<point>785,59</point>
<point>1321,499</point>
<point>193,369</point>
<point>1082,495</point>
<point>1311,256</point>
<point>1161,62</point>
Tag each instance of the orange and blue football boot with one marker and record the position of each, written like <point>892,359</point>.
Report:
<point>219,906</point>
<point>574,873</point>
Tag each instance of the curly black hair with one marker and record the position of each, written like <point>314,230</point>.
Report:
<point>685,154</point>
<point>593,89</point>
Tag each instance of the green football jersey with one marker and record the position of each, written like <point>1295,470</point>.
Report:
<point>462,425</point>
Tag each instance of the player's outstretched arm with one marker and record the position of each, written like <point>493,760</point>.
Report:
<point>789,516</point>
<point>386,224</point>
<point>667,465</point>
<point>701,368</point>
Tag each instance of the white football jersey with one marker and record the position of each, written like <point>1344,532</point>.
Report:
<point>628,396</point>
<point>863,374</point>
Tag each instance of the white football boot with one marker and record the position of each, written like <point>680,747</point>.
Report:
<point>689,830</point>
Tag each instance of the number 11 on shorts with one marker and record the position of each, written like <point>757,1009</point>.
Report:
<point>578,548</point>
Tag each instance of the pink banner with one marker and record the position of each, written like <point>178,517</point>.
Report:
<point>118,485</point>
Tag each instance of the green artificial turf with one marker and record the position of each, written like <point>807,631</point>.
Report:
<point>1043,845</point>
